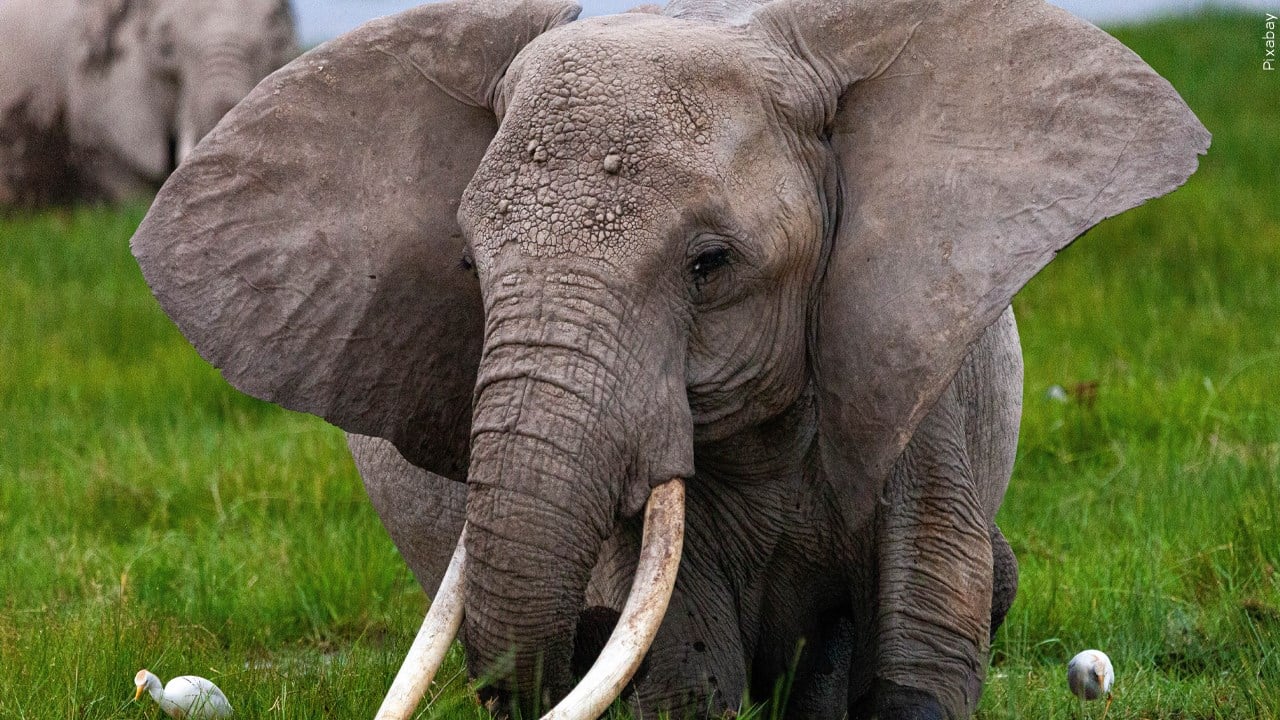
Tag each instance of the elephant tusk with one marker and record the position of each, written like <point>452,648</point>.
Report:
<point>185,146</point>
<point>435,636</point>
<point>646,605</point>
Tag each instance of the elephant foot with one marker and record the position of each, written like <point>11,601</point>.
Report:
<point>898,702</point>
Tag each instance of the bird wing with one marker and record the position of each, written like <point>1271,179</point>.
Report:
<point>197,697</point>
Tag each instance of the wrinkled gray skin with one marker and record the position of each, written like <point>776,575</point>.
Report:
<point>766,247</point>
<point>100,99</point>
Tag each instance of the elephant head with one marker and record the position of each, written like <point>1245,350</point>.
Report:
<point>152,77</point>
<point>567,261</point>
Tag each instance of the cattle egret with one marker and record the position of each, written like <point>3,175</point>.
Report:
<point>1089,675</point>
<point>187,697</point>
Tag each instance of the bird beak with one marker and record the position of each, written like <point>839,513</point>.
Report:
<point>138,694</point>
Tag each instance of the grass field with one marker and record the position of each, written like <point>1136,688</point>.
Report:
<point>151,516</point>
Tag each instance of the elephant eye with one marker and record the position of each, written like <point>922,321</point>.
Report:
<point>707,262</point>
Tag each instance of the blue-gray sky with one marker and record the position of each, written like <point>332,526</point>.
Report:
<point>322,19</point>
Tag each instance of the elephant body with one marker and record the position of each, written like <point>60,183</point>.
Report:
<point>756,257</point>
<point>780,561</point>
<point>100,99</point>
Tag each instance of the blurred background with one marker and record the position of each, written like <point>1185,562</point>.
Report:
<point>319,20</point>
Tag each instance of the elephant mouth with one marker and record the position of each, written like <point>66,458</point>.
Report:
<point>637,626</point>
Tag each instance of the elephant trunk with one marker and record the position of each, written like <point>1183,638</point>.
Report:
<point>221,77</point>
<point>564,444</point>
<point>539,507</point>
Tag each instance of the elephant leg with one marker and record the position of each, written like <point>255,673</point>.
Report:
<point>991,382</point>
<point>818,676</point>
<point>423,512</point>
<point>816,628</point>
<point>935,586</point>
<point>948,576</point>
<point>1004,582</point>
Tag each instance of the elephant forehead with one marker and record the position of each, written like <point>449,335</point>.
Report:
<point>602,136</point>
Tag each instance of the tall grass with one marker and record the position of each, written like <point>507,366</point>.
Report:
<point>151,516</point>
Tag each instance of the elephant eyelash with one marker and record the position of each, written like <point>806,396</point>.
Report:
<point>466,263</point>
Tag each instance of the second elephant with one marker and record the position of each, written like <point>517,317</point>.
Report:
<point>100,99</point>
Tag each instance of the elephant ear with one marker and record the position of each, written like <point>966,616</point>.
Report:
<point>975,140</point>
<point>308,247</point>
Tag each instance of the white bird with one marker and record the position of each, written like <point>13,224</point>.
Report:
<point>1090,675</point>
<point>185,698</point>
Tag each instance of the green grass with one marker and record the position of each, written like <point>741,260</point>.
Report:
<point>151,516</point>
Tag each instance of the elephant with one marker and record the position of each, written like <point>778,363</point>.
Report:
<point>101,99</point>
<point>691,329</point>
